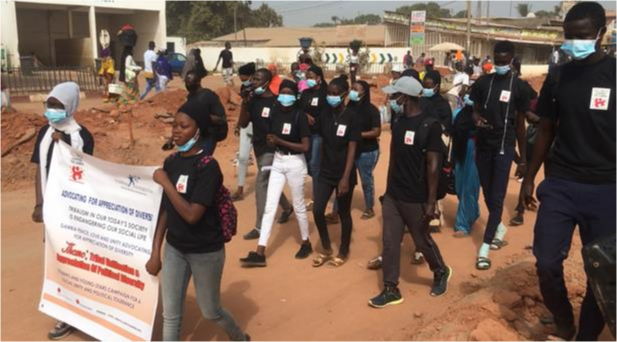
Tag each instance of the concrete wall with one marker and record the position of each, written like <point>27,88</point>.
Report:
<point>150,5</point>
<point>74,52</point>
<point>179,44</point>
<point>8,27</point>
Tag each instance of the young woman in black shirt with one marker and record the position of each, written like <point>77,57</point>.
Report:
<point>189,219</point>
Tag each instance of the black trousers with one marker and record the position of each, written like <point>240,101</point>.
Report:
<point>564,204</point>
<point>324,192</point>
<point>396,216</point>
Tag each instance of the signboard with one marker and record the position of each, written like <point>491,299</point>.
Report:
<point>417,28</point>
<point>100,220</point>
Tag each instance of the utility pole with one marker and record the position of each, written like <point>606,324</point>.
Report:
<point>236,22</point>
<point>468,25</point>
<point>488,10</point>
<point>479,10</point>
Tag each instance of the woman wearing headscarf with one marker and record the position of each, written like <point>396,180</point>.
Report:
<point>131,86</point>
<point>191,224</point>
<point>60,106</point>
<point>107,70</point>
<point>289,134</point>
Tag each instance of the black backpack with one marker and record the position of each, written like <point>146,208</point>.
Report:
<point>446,172</point>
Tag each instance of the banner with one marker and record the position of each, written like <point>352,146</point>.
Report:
<point>100,220</point>
<point>417,28</point>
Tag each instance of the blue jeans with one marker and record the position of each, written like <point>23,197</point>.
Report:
<point>365,164</point>
<point>151,83</point>
<point>494,171</point>
<point>206,269</point>
<point>315,160</point>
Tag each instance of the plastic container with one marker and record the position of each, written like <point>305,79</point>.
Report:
<point>306,42</point>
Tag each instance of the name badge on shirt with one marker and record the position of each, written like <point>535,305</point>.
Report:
<point>315,101</point>
<point>286,129</point>
<point>265,113</point>
<point>409,137</point>
<point>340,131</point>
<point>182,184</point>
<point>600,98</point>
<point>505,96</point>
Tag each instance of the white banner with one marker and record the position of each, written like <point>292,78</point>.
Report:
<point>100,220</point>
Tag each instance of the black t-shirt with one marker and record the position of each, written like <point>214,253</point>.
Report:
<point>211,104</point>
<point>498,94</point>
<point>313,102</point>
<point>85,136</point>
<point>337,130</point>
<point>439,108</point>
<point>407,169</point>
<point>581,100</point>
<point>369,118</point>
<point>227,57</point>
<point>260,111</point>
<point>196,185</point>
<point>290,126</point>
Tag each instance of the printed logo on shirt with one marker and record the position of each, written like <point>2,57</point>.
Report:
<point>600,97</point>
<point>182,184</point>
<point>265,113</point>
<point>409,137</point>
<point>286,128</point>
<point>505,96</point>
<point>315,101</point>
<point>340,131</point>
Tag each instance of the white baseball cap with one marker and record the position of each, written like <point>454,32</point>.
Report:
<point>405,85</point>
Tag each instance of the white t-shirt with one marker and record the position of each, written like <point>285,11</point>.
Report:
<point>460,79</point>
<point>149,58</point>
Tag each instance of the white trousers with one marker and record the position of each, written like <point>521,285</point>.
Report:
<point>289,169</point>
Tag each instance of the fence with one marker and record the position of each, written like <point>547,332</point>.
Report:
<point>26,81</point>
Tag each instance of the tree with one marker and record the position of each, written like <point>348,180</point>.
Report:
<point>433,10</point>
<point>363,19</point>
<point>266,16</point>
<point>523,8</point>
<point>460,14</point>
<point>324,25</point>
<point>335,19</point>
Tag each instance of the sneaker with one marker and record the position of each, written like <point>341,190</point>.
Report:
<point>252,235</point>
<point>375,264</point>
<point>254,260</point>
<point>517,220</point>
<point>368,214</point>
<point>60,331</point>
<point>305,250</point>
<point>440,282</point>
<point>389,296</point>
<point>285,216</point>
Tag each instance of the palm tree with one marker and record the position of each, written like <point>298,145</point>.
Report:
<point>524,8</point>
<point>335,19</point>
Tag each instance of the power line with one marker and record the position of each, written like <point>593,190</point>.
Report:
<point>313,6</point>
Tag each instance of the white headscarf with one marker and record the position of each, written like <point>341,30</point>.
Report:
<point>68,94</point>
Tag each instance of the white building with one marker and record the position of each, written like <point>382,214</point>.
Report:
<point>65,32</point>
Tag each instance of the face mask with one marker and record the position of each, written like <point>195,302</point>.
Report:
<point>467,100</point>
<point>247,83</point>
<point>334,101</point>
<point>55,115</point>
<point>189,144</point>
<point>428,92</point>
<point>580,49</point>
<point>397,108</point>
<point>354,96</point>
<point>502,69</point>
<point>260,90</point>
<point>286,100</point>
<point>311,83</point>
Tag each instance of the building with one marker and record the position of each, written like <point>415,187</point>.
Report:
<point>65,32</point>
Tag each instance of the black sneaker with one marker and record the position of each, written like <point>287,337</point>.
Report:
<point>389,296</point>
<point>285,216</point>
<point>517,220</point>
<point>254,260</point>
<point>305,250</point>
<point>252,235</point>
<point>60,331</point>
<point>440,282</point>
<point>375,264</point>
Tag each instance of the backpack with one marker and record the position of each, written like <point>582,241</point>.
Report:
<point>446,172</point>
<point>224,205</point>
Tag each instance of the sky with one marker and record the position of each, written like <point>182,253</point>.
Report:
<point>303,13</point>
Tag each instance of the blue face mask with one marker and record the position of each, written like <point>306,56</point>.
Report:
<point>579,49</point>
<point>467,100</point>
<point>334,101</point>
<point>260,90</point>
<point>502,69</point>
<point>286,100</point>
<point>311,83</point>
<point>55,115</point>
<point>189,144</point>
<point>428,92</point>
<point>354,96</point>
<point>397,108</point>
<point>247,83</point>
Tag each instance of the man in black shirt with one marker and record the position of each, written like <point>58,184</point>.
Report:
<point>500,104</point>
<point>256,109</point>
<point>416,150</point>
<point>228,64</point>
<point>577,110</point>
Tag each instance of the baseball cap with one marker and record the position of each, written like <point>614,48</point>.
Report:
<point>405,85</point>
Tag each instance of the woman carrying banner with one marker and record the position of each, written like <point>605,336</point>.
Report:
<point>195,243</point>
<point>60,106</point>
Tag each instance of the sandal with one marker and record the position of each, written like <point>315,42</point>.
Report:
<point>321,259</point>
<point>237,197</point>
<point>336,262</point>
<point>417,259</point>
<point>483,263</point>
<point>498,244</point>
